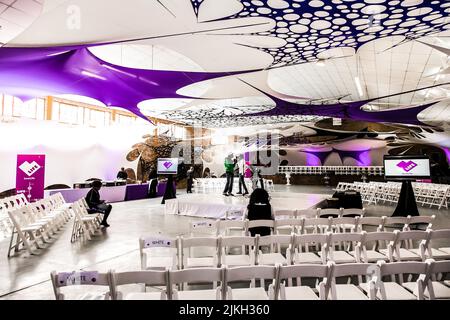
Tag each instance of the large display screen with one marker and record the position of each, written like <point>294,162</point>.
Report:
<point>167,165</point>
<point>406,167</point>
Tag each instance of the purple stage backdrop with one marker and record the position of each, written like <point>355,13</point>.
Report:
<point>30,175</point>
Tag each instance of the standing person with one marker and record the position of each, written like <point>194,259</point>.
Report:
<point>169,193</point>
<point>96,205</point>
<point>259,208</point>
<point>122,174</point>
<point>153,176</point>
<point>229,164</point>
<point>242,168</point>
<point>190,179</point>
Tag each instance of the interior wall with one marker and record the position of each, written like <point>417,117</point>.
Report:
<point>73,153</point>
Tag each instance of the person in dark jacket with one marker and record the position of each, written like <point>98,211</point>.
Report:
<point>96,205</point>
<point>259,208</point>
<point>190,179</point>
<point>122,174</point>
<point>153,177</point>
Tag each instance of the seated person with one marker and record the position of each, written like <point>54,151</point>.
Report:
<point>259,208</point>
<point>96,205</point>
<point>122,174</point>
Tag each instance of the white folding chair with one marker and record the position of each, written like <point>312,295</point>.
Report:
<point>402,242</point>
<point>364,290</point>
<point>348,241</point>
<point>144,278</point>
<point>247,255</point>
<point>250,273</point>
<point>260,223</point>
<point>159,252</point>
<point>391,290</point>
<point>298,291</point>
<point>92,279</point>
<point>299,252</point>
<point>442,253</point>
<point>274,256</point>
<point>203,252</point>
<point>179,281</point>
<point>371,247</point>
<point>440,271</point>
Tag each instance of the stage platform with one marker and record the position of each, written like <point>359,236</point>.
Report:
<point>216,205</point>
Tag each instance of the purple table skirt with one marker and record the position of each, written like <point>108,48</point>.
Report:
<point>161,188</point>
<point>136,192</point>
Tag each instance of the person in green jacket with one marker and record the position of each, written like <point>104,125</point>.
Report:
<point>230,163</point>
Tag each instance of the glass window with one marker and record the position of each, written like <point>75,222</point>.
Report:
<point>40,109</point>
<point>8,102</point>
<point>97,118</point>
<point>55,111</point>
<point>68,114</point>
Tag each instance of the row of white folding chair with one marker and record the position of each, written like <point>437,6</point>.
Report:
<point>384,281</point>
<point>85,225</point>
<point>310,225</point>
<point>37,221</point>
<point>6,205</point>
<point>338,247</point>
<point>432,194</point>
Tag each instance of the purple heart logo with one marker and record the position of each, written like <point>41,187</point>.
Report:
<point>407,166</point>
<point>167,164</point>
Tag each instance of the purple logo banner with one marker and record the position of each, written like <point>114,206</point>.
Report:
<point>167,164</point>
<point>30,175</point>
<point>407,166</point>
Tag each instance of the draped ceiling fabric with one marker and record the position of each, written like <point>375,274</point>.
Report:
<point>204,55</point>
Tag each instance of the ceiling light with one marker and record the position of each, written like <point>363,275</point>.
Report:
<point>92,75</point>
<point>359,87</point>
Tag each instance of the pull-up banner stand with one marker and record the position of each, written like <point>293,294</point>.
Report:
<point>30,175</point>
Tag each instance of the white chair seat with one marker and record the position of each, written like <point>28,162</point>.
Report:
<point>200,262</point>
<point>394,291</point>
<point>437,254</point>
<point>272,259</point>
<point>197,295</point>
<point>405,255</point>
<point>349,292</point>
<point>343,257</point>
<point>300,293</point>
<point>447,250</point>
<point>236,260</point>
<point>249,294</point>
<point>441,291</point>
<point>160,262</point>
<point>374,256</point>
<point>307,257</point>
<point>143,296</point>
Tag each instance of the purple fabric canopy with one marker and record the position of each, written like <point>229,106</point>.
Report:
<point>35,72</point>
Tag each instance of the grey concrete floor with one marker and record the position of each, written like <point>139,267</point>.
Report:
<point>25,277</point>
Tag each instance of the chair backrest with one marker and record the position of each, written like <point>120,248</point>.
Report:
<point>203,227</point>
<point>440,234</point>
<point>248,273</point>
<point>370,221</point>
<point>147,277</point>
<point>307,213</point>
<point>420,220</point>
<point>338,238</point>
<point>400,268</point>
<point>91,278</point>
<point>325,213</point>
<point>261,223</point>
<point>440,267</point>
<point>196,275</point>
<point>284,214</point>
<point>227,225</point>
<point>237,241</point>
<point>234,214</point>
<point>412,235</point>
<point>353,212</point>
